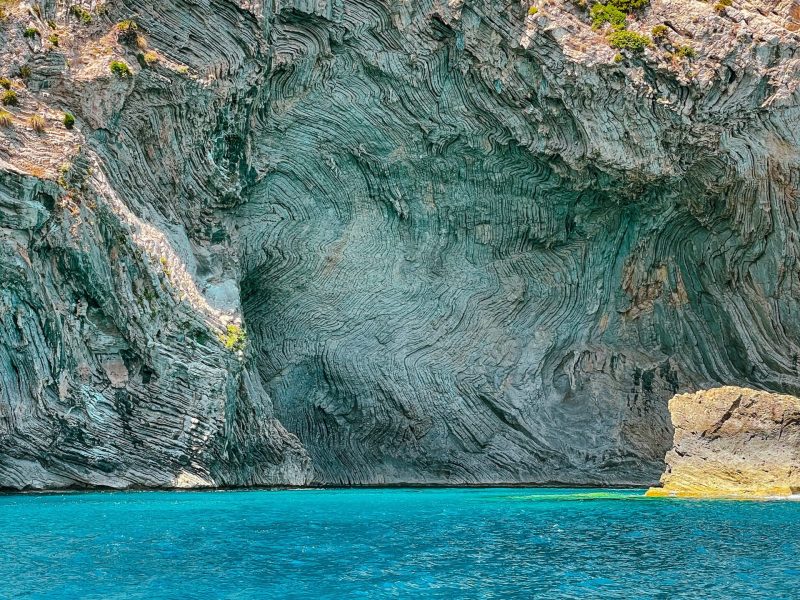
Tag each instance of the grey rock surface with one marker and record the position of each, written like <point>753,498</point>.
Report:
<point>467,244</point>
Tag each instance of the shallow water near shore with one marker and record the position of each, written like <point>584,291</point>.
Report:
<point>376,543</point>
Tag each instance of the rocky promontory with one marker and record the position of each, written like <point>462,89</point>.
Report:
<point>733,442</point>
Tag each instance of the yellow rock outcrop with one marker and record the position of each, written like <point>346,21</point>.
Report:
<point>733,442</point>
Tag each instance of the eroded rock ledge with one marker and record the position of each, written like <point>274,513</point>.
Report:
<point>733,442</point>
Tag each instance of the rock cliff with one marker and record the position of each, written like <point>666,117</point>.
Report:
<point>352,242</point>
<point>733,442</point>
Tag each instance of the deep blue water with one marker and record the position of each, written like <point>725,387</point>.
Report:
<point>436,543</point>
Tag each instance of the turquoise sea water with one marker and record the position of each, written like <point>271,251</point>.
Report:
<point>433,543</point>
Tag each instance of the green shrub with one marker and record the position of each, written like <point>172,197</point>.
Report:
<point>606,13</point>
<point>5,118</point>
<point>53,39</point>
<point>9,98</point>
<point>78,11</point>
<point>120,68</point>
<point>37,123</point>
<point>533,10</point>
<point>720,6</point>
<point>685,52</point>
<point>30,32</point>
<point>234,338</point>
<point>618,58</point>
<point>659,32</point>
<point>69,120</point>
<point>24,72</point>
<point>628,6</point>
<point>628,40</point>
<point>5,82</point>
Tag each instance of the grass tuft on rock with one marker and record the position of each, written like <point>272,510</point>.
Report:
<point>150,58</point>
<point>659,32</point>
<point>69,120</point>
<point>9,98</point>
<point>37,123</point>
<point>120,68</point>
<point>6,120</point>
<point>721,5</point>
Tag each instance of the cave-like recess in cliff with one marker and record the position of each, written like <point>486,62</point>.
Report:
<point>431,301</point>
<point>424,295</point>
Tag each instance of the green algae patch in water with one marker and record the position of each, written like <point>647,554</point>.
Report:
<point>581,495</point>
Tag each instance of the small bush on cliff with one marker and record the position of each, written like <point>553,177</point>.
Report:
<point>533,10</point>
<point>685,52</point>
<point>628,40</point>
<point>5,82</point>
<point>53,39</point>
<point>628,6</point>
<point>30,32</point>
<point>24,72</point>
<point>9,98</point>
<point>234,338</point>
<point>659,32</point>
<point>5,118</point>
<point>37,123</point>
<point>606,13</point>
<point>69,120</point>
<point>78,11</point>
<point>120,68</point>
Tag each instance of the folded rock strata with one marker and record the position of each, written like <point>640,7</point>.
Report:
<point>733,442</point>
<point>467,244</point>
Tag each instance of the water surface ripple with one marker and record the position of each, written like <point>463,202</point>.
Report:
<point>432,543</point>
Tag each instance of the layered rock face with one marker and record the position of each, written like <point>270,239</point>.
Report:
<point>733,442</point>
<point>467,244</point>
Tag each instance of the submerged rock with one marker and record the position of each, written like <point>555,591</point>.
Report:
<point>733,442</point>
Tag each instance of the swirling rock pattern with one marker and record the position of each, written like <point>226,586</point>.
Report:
<point>467,243</point>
